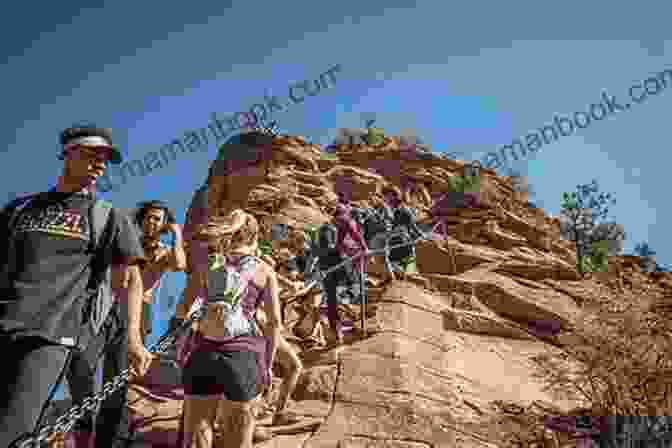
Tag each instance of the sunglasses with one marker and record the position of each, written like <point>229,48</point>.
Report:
<point>100,153</point>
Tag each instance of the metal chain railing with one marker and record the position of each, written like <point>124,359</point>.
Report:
<point>67,421</point>
<point>323,273</point>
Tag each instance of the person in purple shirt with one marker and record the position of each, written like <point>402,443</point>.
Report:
<point>350,242</point>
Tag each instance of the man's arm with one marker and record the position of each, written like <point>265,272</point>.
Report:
<point>128,253</point>
<point>135,296</point>
<point>139,358</point>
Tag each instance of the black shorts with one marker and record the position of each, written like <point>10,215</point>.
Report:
<point>232,375</point>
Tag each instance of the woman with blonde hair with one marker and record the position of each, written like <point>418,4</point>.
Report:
<point>243,163</point>
<point>225,358</point>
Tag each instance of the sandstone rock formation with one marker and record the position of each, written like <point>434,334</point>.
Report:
<point>449,349</point>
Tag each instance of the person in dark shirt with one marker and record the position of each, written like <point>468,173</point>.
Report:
<point>402,224</point>
<point>349,243</point>
<point>45,269</point>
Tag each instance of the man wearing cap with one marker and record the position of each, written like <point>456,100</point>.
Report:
<point>46,265</point>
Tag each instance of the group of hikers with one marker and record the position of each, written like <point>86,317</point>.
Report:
<point>78,278</point>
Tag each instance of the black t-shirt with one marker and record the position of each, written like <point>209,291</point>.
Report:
<point>44,288</point>
<point>328,258</point>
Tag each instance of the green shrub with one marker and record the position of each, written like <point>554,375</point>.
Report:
<point>471,184</point>
<point>464,184</point>
<point>598,259</point>
<point>375,136</point>
<point>456,183</point>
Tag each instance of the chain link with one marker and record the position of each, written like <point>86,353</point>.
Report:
<point>67,421</point>
<point>323,273</point>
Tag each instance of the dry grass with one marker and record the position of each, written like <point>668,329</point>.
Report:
<point>622,373</point>
<point>621,368</point>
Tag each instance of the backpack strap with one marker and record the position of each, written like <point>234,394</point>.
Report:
<point>100,302</point>
<point>99,214</point>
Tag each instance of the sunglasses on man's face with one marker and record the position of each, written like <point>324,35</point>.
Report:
<point>102,154</point>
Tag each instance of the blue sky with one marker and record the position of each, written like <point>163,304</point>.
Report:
<point>467,76</point>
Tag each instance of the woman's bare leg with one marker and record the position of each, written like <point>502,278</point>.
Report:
<point>292,366</point>
<point>199,417</point>
<point>239,416</point>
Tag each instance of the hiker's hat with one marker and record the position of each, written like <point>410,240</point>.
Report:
<point>93,137</point>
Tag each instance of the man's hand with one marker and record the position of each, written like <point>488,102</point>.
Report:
<point>195,306</point>
<point>139,358</point>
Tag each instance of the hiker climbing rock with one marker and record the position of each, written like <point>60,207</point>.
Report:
<point>224,358</point>
<point>350,242</point>
<point>402,229</point>
<point>327,255</point>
